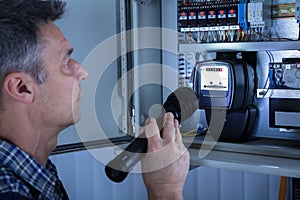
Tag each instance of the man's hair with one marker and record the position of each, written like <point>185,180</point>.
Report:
<point>21,45</point>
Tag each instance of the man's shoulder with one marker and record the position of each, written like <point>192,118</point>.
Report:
<point>11,183</point>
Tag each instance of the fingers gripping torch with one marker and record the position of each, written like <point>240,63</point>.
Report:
<point>182,103</point>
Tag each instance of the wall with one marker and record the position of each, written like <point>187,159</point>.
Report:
<point>84,178</point>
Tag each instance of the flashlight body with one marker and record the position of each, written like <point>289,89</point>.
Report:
<point>118,168</point>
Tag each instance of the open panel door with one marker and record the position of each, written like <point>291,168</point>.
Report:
<point>97,31</point>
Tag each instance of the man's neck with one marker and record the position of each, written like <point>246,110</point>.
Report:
<point>36,148</point>
<point>35,140</point>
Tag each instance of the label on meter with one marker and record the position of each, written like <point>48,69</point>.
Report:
<point>214,78</point>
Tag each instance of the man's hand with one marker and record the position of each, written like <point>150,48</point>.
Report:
<point>166,164</point>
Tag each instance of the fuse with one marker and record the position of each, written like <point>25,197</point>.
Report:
<point>183,22</point>
<point>222,17</point>
<point>202,19</point>
<point>232,17</point>
<point>212,18</point>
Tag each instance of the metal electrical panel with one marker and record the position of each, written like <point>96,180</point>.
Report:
<point>270,29</point>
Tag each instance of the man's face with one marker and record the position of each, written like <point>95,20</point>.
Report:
<point>61,92</point>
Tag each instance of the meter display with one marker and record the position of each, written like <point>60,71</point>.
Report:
<point>213,82</point>
<point>225,84</point>
<point>215,78</point>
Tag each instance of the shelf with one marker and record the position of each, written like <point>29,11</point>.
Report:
<point>274,157</point>
<point>278,93</point>
<point>248,162</point>
<point>240,46</point>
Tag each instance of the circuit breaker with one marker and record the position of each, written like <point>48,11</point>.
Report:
<point>222,21</point>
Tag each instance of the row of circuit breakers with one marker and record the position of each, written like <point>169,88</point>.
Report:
<point>207,21</point>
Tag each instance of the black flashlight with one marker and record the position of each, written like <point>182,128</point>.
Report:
<point>182,103</point>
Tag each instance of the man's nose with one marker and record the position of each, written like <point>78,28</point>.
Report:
<point>82,73</point>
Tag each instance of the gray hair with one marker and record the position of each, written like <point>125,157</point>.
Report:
<point>21,45</point>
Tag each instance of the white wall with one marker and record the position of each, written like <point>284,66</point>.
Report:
<point>84,178</point>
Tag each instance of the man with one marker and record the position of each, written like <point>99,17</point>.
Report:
<point>40,96</point>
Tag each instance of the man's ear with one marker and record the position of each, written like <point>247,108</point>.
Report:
<point>19,86</point>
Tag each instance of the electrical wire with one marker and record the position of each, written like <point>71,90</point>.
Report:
<point>299,31</point>
<point>195,132</point>
<point>267,82</point>
<point>190,133</point>
<point>272,39</point>
<point>282,188</point>
<point>271,56</point>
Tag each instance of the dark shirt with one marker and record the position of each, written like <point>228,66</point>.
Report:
<point>22,177</point>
